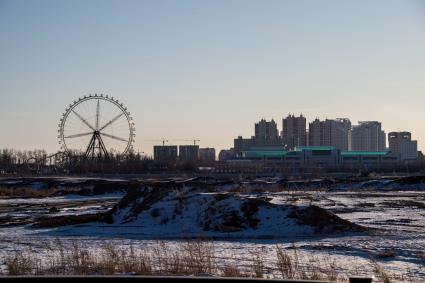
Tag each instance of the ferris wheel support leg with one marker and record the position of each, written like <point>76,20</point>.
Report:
<point>90,147</point>
<point>102,147</point>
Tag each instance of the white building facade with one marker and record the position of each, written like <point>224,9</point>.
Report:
<point>368,136</point>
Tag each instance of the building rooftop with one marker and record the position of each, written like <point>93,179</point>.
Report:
<point>266,148</point>
<point>263,153</point>
<point>350,153</point>
<point>301,148</point>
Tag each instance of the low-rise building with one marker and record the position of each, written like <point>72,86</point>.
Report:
<point>356,159</point>
<point>226,154</point>
<point>207,156</point>
<point>321,157</point>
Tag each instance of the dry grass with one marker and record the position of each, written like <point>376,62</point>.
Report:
<point>20,263</point>
<point>191,257</point>
<point>381,273</point>
<point>257,264</point>
<point>232,271</point>
<point>285,264</point>
<point>308,268</point>
<point>25,192</point>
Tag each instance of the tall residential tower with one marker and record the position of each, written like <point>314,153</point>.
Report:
<point>368,136</point>
<point>294,131</point>
<point>330,133</point>
<point>401,144</point>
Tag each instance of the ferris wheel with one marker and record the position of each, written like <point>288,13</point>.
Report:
<point>96,125</point>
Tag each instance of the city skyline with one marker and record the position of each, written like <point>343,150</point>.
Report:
<point>340,133</point>
<point>210,70</point>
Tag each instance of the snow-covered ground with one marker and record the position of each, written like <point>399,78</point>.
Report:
<point>399,217</point>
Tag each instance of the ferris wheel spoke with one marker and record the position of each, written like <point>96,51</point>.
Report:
<point>97,114</point>
<point>83,120</point>
<point>78,135</point>
<point>111,121</point>
<point>113,137</point>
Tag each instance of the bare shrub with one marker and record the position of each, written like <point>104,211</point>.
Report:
<point>144,264</point>
<point>284,264</point>
<point>308,268</point>
<point>110,259</point>
<point>331,269</point>
<point>76,260</point>
<point>20,264</point>
<point>257,264</point>
<point>191,257</point>
<point>381,273</point>
<point>232,271</point>
<point>198,257</point>
<point>166,262</point>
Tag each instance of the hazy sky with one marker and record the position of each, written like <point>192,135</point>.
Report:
<point>210,69</point>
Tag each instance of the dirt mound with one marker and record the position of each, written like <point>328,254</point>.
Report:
<point>176,210</point>
<point>323,220</point>
<point>47,222</point>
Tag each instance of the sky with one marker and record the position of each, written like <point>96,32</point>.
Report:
<point>210,69</point>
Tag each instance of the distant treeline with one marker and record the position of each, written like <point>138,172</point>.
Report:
<point>38,161</point>
<point>10,157</point>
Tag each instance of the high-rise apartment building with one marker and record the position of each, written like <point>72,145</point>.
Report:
<point>266,135</point>
<point>368,136</point>
<point>330,133</point>
<point>188,153</point>
<point>266,130</point>
<point>165,153</point>
<point>315,134</point>
<point>401,144</point>
<point>294,131</point>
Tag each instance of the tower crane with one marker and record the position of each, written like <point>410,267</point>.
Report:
<point>194,140</point>
<point>163,140</point>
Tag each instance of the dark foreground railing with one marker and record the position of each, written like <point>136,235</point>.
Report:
<point>157,279</point>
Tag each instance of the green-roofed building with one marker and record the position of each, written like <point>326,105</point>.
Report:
<point>363,153</point>
<point>324,156</point>
<point>320,148</point>
<point>368,158</point>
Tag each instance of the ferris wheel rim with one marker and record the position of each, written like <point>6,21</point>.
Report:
<point>110,99</point>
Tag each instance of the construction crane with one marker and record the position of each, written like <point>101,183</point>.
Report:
<point>194,140</point>
<point>163,141</point>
